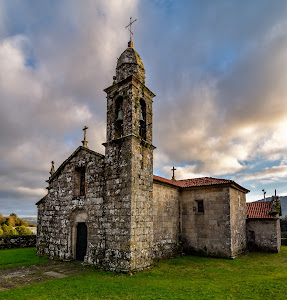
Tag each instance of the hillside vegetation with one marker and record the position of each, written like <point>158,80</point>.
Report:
<point>13,225</point>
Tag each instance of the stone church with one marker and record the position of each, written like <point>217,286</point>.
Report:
<point>112,212</point>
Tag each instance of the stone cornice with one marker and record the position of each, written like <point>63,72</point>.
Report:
<point>133,79</point>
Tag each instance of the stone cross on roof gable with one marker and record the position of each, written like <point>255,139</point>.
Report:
<point>85,142</point>
<point>173,169</point>
<point>52,172</point>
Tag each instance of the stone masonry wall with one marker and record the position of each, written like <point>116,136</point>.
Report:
<point>20,241</point>
<point>237,221</point>
<point>117,210</point>
<point>206,232</point>
<point>142,206</point>
<point>62,208</point>
<point>166,220</point>
<point>264,235</point>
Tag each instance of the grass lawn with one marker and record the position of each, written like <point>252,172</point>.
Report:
<point>13,258</point>
<point>251,276</point>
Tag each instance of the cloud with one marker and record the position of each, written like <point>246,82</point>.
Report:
<point>267,175</point>
<point>56,59</point>
<point>229,108</point>
<point>218,70</point>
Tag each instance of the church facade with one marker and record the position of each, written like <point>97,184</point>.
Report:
<point>111,211</point>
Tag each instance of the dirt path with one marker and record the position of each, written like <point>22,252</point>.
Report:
<point>22,276</point>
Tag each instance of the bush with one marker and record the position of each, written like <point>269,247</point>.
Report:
<point>7,221</point>
<point>22,230</point>
<point>8,230</point>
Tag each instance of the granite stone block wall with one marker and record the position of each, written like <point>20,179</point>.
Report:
<point>206,232</point>
<point>237,221</point>
<point>263,235</point>
<point>166,202</point>
<point>63,208</point>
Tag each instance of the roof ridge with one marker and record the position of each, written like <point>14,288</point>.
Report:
<point>200,181</point>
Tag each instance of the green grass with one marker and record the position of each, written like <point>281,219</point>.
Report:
<point>13,258</point>
<point>251,276</point>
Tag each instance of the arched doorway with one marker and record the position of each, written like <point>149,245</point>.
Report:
<point>81,244</point>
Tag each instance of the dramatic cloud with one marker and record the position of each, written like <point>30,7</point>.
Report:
<point>218,69</point>
<point>51,81</point>
<point>229,108</point>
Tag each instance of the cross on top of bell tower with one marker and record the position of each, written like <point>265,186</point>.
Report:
<point>129,27</point>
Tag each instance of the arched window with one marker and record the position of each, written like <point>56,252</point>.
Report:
<point>142,119</point>
<point>119,115</point>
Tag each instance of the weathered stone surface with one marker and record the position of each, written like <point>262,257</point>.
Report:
<point>166,219</point>
<point>207,232</point>
<point>63,208</point>
<point>263,235</point>
<point>237,221</point>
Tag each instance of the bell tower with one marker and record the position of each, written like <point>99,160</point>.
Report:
<point>129,167</point>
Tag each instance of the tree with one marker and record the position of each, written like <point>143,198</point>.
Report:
<point>7,221</point>
<point>1,231</point>
<point>12,221</point>
<point>8,230</point>
<point>22,230</point>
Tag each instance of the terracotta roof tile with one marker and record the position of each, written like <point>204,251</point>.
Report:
<point>203,181</point>
<point>258,210</point>
<point>164,180</point>
<point>197,182</point>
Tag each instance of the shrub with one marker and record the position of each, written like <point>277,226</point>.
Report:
<point>7,221</point>
<point>22,230</point>
<point>8,230</point>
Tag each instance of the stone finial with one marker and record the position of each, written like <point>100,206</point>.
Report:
<point>173,177</point>
<point>85,142</point>
<point>264,194</point>
<point>52,172</point>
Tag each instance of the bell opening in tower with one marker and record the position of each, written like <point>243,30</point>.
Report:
<point>142,119</point>
<point>119,113</point>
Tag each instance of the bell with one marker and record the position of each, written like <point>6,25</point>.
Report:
<point>141,116</point>
<point>120,115</point>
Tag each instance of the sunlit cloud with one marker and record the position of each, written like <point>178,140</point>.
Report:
<point>219,76</point>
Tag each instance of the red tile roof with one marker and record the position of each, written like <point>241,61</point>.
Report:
<point>258,210</point>
<point>197,182</point>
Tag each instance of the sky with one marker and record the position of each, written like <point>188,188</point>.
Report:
<point>218,69</point>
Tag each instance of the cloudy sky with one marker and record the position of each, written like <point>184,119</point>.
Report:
<point>218,68</point>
